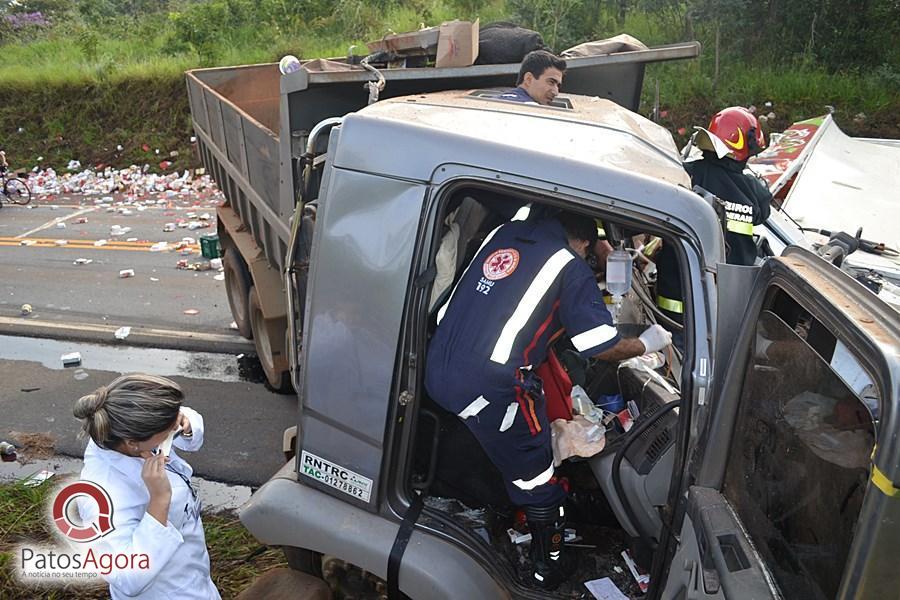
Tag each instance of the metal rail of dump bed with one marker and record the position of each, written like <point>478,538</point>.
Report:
<point>239,113</point>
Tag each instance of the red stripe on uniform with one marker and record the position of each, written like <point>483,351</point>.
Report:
<point>540,331</point>
<point>523,408</point>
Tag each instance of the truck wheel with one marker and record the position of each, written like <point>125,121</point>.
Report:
<point>303,560</point>
<point>268,336</point>
<point>237,287</point>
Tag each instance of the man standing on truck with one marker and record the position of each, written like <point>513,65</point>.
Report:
<point>540,78</point>
<point>734,135</point>
<point>528,281</point>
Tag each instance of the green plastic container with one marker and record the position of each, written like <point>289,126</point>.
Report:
<point>209,245</point>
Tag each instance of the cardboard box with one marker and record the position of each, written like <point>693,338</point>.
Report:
<point>424,40</point>
<point>457,44</point>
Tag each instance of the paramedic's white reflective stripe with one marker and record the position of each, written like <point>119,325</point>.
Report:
<point>522,213</point>
<point>473,409</point>
<point>443,310</point>
<point>533,296</point>
<point>533,483</point>
<point>510,416</point>
<point>594,337</point>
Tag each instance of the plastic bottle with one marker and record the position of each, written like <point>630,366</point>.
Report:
<point>581,404</point>
<point>595,434</point>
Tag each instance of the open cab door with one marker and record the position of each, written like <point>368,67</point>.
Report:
<point>794,480</point>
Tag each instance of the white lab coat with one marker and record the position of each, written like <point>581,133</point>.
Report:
<point>178,558</point>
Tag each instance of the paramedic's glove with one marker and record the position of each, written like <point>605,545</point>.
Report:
<point>655,338</point>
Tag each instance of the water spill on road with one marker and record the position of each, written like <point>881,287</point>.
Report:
<point>127,359</point>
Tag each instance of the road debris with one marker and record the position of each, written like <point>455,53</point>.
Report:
<point>27,243</point>
<point>72,359</point>
<point>118,230</point>
<point>219,277</point>
<point>126,273</point>
<point>7,452</point>
<point>60,225</point>
<point>80,374</point>
<point>191,311</point>
<point>100,243</point>
<point>122,332</point>
<point>62,242</point>
<point>36,479</point>
<point>26,310</point>
<point>33,446</point>
<point>159,247</point>
<point>83,261</point>
<point>134,182</point>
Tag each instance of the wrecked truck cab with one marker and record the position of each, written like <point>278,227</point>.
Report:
<point>371,440</point>
<point>386,495</point>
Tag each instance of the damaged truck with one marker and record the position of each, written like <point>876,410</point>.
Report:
<point>762,461</point>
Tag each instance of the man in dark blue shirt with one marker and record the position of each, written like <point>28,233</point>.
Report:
<point>540,77</point>
<point>528,281</point>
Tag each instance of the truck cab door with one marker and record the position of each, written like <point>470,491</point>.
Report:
<point>793,489</point>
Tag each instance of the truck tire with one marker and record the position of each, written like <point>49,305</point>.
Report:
<point>237,287</point>
<point>303,560</point>
<point>268,336</point>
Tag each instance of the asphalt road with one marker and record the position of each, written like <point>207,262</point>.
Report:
<point>76,307</point>
<point>44,274</point>
<point>244,420</point>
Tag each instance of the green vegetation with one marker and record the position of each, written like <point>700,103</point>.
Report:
<point>80,78</point>
<point>236,557</point>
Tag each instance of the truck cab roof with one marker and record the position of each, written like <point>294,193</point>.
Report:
<point>584,129</point>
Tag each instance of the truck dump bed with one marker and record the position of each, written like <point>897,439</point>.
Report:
<point>241,114</point>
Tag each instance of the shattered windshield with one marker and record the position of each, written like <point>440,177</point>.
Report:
<point>798,465</point>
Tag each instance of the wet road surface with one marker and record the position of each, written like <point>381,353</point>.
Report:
<point>244,420</point>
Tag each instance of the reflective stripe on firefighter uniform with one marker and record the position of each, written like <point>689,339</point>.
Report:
<point>747,203</point>
<point>524,285</point>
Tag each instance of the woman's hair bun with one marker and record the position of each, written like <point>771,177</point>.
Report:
<point>87,406</point>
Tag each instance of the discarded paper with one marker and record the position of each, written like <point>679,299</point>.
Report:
<point>604,589</point>
<point>36,479</point>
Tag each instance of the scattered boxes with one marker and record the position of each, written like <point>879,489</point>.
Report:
<point>72,359</point>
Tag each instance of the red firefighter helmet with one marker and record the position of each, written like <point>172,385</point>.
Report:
<point>739,129</point>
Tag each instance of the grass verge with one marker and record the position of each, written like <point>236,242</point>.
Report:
<point>236,557</point>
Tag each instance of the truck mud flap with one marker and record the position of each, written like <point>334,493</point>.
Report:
<point>400,543</point>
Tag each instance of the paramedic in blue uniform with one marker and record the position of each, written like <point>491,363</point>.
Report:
<point>540,77</point>
<point>528,281</point>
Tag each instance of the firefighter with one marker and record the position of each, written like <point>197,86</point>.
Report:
<point>733,136</point>
<point>528,281</point>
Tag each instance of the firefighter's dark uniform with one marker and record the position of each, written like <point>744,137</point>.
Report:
<point>747,203</point>
<point>523,285</point>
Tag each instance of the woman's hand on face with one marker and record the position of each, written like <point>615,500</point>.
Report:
<point>154,475</point>
<point>185,424</point>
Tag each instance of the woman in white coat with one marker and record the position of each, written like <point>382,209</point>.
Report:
<point>156,511</point>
